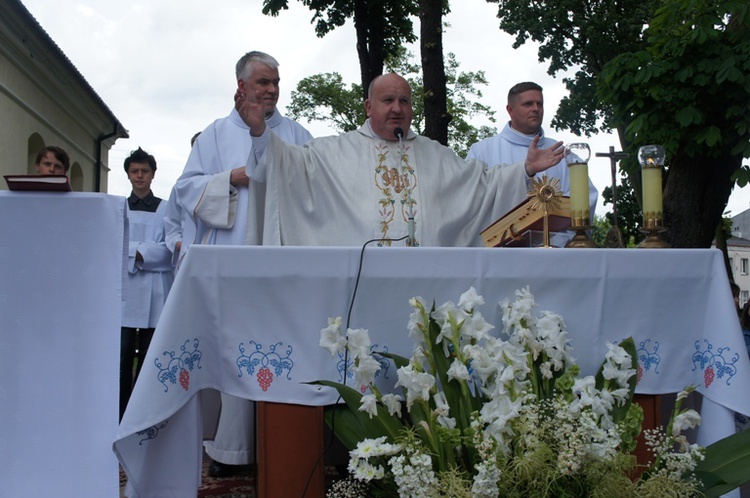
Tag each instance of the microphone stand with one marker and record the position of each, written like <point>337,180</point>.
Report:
<point>411,239</point>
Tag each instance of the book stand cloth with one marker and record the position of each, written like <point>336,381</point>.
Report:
<point>62,258</point>
<point>264,307</point>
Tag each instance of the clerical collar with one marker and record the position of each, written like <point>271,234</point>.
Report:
<point>409,135</point>
<point>540,132</point>
<point>149,203</point>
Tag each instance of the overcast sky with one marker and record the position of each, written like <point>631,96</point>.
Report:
<point>166,68</point>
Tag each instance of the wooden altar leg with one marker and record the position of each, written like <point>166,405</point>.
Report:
<point>290,443</point>
<point>651,405</point>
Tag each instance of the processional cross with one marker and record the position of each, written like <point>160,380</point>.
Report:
<point>614,236</point>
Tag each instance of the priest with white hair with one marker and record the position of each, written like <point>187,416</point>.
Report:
<point>227,209</point>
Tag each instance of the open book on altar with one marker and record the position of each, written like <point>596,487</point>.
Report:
<point>510,229</point>
<point>57,183</point>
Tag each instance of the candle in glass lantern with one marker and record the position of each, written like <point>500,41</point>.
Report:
<point>578,168</point>
<point>651,158</point>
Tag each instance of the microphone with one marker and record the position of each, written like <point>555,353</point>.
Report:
<point>398,133</point>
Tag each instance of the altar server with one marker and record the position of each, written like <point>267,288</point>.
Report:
<point>149,270</point>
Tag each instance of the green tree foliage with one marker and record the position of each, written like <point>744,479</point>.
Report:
<point>629,216</point>
<point>580,35</point>
<point>601,228</point>
<point>689,90</point>
<point>325,98</point>
<point>382,26</point>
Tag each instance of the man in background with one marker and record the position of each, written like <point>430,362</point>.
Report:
<point>226,209</point>
<point>526,110</point>
<point>149,271</point>
<point>52,160</point>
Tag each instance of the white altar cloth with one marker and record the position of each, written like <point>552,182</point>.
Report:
<point>246,321</point>
<point>62,257</point>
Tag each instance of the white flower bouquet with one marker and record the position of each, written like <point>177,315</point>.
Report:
<point>508,416</point>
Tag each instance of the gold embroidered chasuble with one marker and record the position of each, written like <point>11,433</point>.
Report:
<point>346,190</point>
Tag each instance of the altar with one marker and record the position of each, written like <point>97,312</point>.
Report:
<point>246,321</point>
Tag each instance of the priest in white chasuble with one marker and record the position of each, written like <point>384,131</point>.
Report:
<point>370,183</point>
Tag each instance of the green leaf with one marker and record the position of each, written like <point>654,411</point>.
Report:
<point>726,465</point>
<point>382,424</point>
<point>689,115</point>
<point>347,426</point>
<point>710,136</point>
<point>399,361</point>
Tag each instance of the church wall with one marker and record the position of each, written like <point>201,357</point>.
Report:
<point>42,95</point>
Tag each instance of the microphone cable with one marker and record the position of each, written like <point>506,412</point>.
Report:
<point>346,356</point>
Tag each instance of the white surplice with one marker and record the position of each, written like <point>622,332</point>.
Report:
<point>148,283</point>
<point>219,210</point>
<point>352,188</point>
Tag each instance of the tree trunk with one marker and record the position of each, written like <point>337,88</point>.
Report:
<point>695,196</point>
<point>369,29</point>
<point>433,70</point>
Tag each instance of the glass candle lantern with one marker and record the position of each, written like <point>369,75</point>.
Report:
<point>651,159</point>
<point>577,157</point>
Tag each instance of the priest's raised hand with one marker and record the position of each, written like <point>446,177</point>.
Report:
<point>538,160</point>
<point>249,104</point>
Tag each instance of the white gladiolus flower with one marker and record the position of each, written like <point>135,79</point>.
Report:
<point>393,403</point>
<point>442,410</point>
<point>358,341</point>
<point>617,354</point>
<point>470,300</point>
<point>364,370</point>
<point>368,404</point>
<point>417,384</point>
<point>476,328</point>
<point>331,338</point>
<point>458,371</point>
<point>690,419</point>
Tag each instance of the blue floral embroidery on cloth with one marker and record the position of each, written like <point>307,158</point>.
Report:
<point>151,432</point>
<point>179,366</point>
<point>715,365</point>
<point>648,357</point>
<point>264,361</point>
